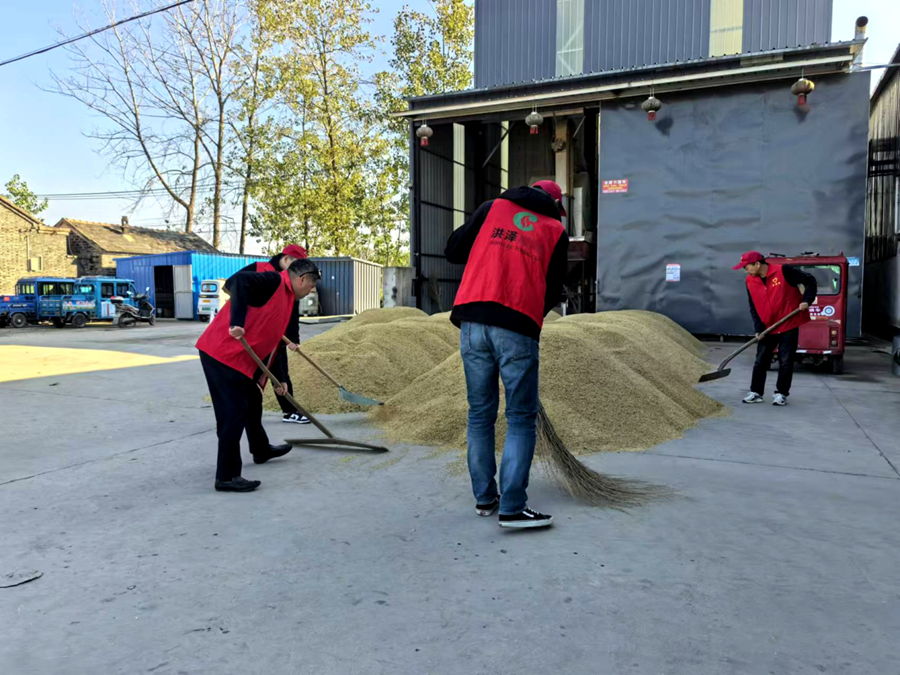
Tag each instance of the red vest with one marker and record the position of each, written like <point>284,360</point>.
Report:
<point>264,328</point>
<point>265,267</point>
<point>509,260</point>
<point>775,299</point>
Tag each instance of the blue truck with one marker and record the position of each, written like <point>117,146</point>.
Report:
<point>63,301</point>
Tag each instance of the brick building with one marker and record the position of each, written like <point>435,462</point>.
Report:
<point>97,245</point>
<point>30,248</point>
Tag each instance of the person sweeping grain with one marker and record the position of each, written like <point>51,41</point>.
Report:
<point>278,361</point>
<point>515,251</point>
<point>259,310</point>
<point>773,294</point>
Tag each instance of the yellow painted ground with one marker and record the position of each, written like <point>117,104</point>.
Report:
<point>19,362</point>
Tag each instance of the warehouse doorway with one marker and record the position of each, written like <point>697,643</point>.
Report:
<point>165,291</point>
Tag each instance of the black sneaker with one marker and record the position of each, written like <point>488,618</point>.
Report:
<point>526,518</point>
<point>295,418</point>
<point>487,509</point>
<point>273,452</point>
<point>237,484</point>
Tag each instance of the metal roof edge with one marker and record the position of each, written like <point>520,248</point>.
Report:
<point>631,78</point>
<point>886,77</point>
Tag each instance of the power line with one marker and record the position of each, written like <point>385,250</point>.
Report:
<point>93,32</point>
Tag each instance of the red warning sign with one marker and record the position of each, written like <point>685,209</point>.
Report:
<point>614,186</point>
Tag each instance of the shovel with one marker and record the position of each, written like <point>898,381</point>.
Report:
<point>722,371</point>
<point>349,396</point>
<point>330,439</point>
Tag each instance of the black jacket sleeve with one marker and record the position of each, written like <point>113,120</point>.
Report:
<point>250,289</point>
<point>758,325</point>
<point>795,277</point>
<point>459,245</point>
<point>249,268</point>
<point>556,273</point>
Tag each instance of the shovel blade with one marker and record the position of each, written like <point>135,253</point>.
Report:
<point>358,399</point>
<point>715,375</point>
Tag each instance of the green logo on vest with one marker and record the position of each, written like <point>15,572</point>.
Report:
<point>524,215</point>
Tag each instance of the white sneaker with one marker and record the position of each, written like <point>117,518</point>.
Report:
<point>294,418</point>
<point>753,397</point>
<point>779,399</point>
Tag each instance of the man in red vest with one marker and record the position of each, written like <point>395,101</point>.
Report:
<point>259,310</point>
<point>278,361</point>
<point>773,293</point>
<point>515,251</point>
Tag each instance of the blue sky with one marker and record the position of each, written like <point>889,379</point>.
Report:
<point>42,133</point>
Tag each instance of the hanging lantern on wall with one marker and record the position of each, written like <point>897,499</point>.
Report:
<point>424,132</point>
<point>801,89</point>
<point>534,120</point>
<point>651,106</point>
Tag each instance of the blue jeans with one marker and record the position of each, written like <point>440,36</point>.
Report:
<point>490,353</point>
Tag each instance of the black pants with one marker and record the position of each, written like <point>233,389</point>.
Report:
<point>238,404</point>
<point>280,370</point>
<point>787,348</point>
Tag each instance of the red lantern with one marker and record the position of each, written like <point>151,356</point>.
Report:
<point>424,132</point>
<point>801,89</point>
<point>651,106</point>
<point>534,120</point>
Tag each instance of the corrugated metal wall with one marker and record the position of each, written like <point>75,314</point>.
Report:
<point>518,40</point>
<point>440,279</point>
<point>515,41</point>
<point>141,269</point>
<point>721,172</point>
<point>367,285</point>
<point>628,33</point>
<point>348,285</point>
<point>776,24</point>
<point>882,293</point>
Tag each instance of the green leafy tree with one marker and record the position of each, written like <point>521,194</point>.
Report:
<point>432,54</point>
<point>18,193</point>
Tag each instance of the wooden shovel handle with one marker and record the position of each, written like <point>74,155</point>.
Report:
<point>314,364</point>
<point>757,339</point>
<point>277,384</point>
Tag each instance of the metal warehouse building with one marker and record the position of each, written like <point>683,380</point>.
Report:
<point>659,209</point>
<point>348,285</point>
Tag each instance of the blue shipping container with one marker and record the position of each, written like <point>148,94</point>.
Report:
<point>348,286</point>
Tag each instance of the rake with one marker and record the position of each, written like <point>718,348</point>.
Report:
<point>330,440</point>
<point>347,395</point>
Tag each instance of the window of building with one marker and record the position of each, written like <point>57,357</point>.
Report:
<point>726,27</point>
<point>569,37</point>
<point>459,175</point>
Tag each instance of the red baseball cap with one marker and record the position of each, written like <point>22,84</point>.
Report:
<point>295,251</point>
<point>552,189</point>
<point>749,258</point>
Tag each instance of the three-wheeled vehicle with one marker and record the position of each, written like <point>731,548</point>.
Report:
<point>64,301</point>
<point>823,339</point>
<point>212,298</point>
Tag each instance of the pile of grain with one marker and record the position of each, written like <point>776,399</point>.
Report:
<point>376,354</point>
<point>611,381</point>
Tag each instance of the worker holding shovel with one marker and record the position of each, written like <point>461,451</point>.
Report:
<point>259,311</point>
<point>515,251</point>
<point>773,293</point>
<point>278,360</point>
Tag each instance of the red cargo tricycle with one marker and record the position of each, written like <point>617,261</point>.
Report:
<point>822,339</point>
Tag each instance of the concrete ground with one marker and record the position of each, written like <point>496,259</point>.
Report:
<point>780,556</point>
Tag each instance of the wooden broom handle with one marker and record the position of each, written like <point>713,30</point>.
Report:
<point>313,363</point>
<point>276,383</point>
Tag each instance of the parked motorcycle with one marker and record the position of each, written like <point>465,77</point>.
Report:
<point>130,315</point>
